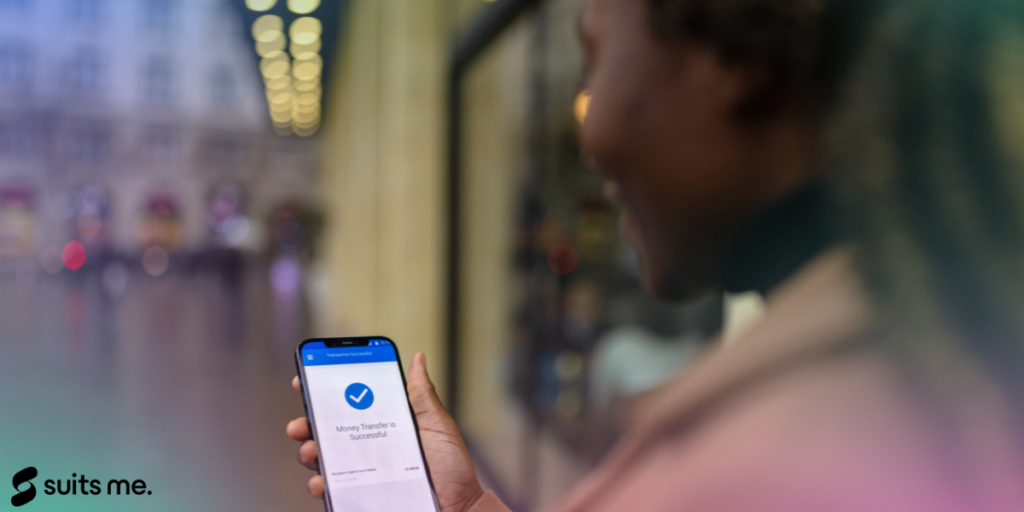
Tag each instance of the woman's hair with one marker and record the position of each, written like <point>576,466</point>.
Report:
<point>922,102</point>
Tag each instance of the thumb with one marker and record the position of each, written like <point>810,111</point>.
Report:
<point>422,394</point>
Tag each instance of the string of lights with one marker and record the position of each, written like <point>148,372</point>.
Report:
<point>291,65</point>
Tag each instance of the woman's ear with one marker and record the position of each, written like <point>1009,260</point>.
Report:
<point>729,87</point>
<point>745,90</point>
<point>740,90</point>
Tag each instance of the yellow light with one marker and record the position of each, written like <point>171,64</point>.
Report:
<point>281,116</point>
<point>275,56</point>
<point>279,83</point>
<point>307,99</point>
<point>306,132</point>
<point>260,5</point>
<point>275,65</point>
<point>300,50</point>
<point>310,57</point>
<point>305,30</point>
<point>307,85</point>
<point>264,48</point>
<point>306,70</point>
<point>581,105</point>
<point>309,129</point>
<point>307,117</point>
<point>280,107</point>
<point>274,69</point>
<point>266,28</point>
<point>280,98</point>
<point>305,109</point>
<point>303,6</point>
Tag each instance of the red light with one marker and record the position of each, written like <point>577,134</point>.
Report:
<point>73,255</point>
<point>562,259</point>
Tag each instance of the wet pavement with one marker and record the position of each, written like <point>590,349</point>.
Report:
<point>181,381</point>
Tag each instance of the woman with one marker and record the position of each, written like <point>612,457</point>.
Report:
<point>858,162</point>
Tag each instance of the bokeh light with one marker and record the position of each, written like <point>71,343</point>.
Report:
<point>581,106</point>
<point>155,261</point>
<point>308,68</point>
<point>260,5</point>
<point>307,85</point>
<point>562,259</point>
<point>279,83</point>
<point>267,28</point>
<point>265,48</point>
<point>307,99</point>
<point>303,6</point>
<point>275,65</point>
<point>292,80</point>
<point>305,30</point>
<point>281,116</point>
<point>73,255</point>
<point>302,51</point>
<point>280,98</point>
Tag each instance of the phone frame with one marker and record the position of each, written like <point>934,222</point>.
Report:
<point>356,341</point>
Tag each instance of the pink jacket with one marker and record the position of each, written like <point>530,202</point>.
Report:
<point>803,413</point>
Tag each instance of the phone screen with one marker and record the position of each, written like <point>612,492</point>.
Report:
<point>370,455</point>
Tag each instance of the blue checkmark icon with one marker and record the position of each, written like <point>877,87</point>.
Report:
<point>359,396</point>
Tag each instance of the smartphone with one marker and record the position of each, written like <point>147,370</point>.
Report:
<point>358,409</point>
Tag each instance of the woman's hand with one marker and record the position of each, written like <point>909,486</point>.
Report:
<point>450,466</point>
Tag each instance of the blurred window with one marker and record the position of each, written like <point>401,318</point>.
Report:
<point>85,77</point>
<point>223,87</point>
<point>226,150</point>
<point>15,67</point>
<point>158,15</point>
<point>88,11</point>
<point>158,80</point>
<point>90,146</point>
<point>161,144</point>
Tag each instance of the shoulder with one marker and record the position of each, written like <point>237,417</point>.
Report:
<point>846,432</point>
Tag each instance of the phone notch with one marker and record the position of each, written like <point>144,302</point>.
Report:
<point>336,343</point>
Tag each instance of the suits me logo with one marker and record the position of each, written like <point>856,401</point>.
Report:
<point>77,485</point>
<point>24,476</point>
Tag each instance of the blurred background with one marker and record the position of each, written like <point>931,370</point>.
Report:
<point>188,188</point>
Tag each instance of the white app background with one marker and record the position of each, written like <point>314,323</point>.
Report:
<point>379,474</point>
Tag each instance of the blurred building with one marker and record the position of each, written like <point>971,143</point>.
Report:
<point>120,120</point>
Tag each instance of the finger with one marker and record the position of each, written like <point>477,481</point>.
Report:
<point>421,390</point>
<point>296,384</point>
<point>298,429</point>
<point>307,455</point>
<point>422,394</point>
<point>316,487</point>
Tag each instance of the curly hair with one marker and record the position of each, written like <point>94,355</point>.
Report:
<point>777,38</point>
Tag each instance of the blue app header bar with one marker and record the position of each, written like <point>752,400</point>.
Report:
<point>378,351</point>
